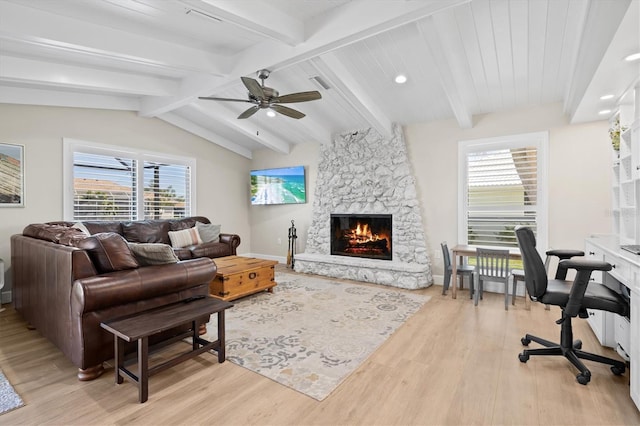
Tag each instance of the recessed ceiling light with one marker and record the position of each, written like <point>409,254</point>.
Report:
<point>605,97</point>
<point>271,113</point>
<point>604,111</point>
<point>401,79</point>
<point>632,57</point>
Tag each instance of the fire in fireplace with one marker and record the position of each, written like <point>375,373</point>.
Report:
<point>361,235</point>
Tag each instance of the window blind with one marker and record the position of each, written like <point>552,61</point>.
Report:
<point>166,190</point>
<point>104,187</point>
<point>502,193</point>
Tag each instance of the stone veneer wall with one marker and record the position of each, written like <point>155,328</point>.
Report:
<point>362,173</point>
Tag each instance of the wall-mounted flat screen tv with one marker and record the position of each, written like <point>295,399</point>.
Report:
<point>278,186</point>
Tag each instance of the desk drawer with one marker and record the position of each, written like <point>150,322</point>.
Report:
<point>622,333</point>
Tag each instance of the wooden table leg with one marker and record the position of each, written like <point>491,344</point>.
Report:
<point>143,369</point>
<point>119,357</point>
<point>222,346</point>
<point>454,276</point>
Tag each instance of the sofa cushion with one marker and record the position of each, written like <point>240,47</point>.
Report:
<point>153,253</point>
<point>97,226</point>
<point>209,233</point>
<point>109,252</point>
<point>186,222</point>
<point>183,253</point>
<point>146,231</point>
<point>211,250</point>
<point>184,238</point>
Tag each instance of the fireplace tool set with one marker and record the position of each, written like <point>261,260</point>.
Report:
<point>292,246</point>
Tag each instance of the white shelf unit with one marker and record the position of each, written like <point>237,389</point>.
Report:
<point>626,187</point>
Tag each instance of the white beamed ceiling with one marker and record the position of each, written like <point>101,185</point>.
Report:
<point>462,58</point>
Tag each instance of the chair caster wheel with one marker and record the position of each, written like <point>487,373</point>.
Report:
<point>523,357</point>
<point>577,344</point>
<point>618,371</point>
<point>525,341</point>
<point>583,379</point>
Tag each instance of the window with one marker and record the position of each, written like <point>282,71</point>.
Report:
<point>503,184</point>
<point>107,183</point>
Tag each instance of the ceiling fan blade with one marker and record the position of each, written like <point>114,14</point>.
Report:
<point>289,112</point>
<point>211,98</point>
<point>253,87</point>
<point>298,97</point>
<point>248,113</point>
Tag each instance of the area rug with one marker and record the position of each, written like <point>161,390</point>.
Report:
<point>9,399</point>
<point>311,333</point>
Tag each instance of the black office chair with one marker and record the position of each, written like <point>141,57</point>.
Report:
<point>573,299</point>
<point>461,271</point>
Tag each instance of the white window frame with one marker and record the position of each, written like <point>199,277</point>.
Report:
<point>538,139</point>
<point>70,146</point>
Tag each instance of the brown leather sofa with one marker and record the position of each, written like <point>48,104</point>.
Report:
<point>60,290</point>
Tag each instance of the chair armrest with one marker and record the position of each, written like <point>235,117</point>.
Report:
<point>564,254</point>
<point>584,267</point>
<point>586,264</point>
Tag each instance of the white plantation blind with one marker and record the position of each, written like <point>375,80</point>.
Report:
<point>502,189</point>
<point>110,184</point>
<point>166,190</point>
<point>104,187</point>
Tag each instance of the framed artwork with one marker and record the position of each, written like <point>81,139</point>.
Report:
<point>11,175</point>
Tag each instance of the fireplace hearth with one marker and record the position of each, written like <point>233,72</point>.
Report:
<point>362,235</point>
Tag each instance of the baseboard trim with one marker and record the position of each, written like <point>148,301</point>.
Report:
<point>279,259</point>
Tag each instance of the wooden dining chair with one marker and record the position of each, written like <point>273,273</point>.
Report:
<point>492,265</point>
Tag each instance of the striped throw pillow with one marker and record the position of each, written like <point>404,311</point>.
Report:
<point>185,238</point>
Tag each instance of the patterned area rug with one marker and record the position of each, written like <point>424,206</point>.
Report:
<point>311,333</point>
<point>9,399</point>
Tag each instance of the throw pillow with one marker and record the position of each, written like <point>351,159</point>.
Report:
<point>109,252</point>
<point>185,238</point>
<point>80,226</point>
<point>153,253</point>
<point>208,232</point>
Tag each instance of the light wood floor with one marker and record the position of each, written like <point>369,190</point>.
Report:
<point>451,363</point>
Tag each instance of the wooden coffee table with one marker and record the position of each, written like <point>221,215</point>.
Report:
<point>240,276</point>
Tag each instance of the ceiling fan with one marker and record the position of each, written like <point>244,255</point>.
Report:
<point>264,97</point>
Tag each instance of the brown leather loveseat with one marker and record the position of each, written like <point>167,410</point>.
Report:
<point>66,283</point>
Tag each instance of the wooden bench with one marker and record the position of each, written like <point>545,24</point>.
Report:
<point>140,326</point>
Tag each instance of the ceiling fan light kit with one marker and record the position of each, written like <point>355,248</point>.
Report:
<point>264,97</point>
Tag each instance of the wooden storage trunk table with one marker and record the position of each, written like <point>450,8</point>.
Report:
<point>240,276</point>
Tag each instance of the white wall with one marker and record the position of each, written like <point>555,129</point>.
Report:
<point>222,177</point>
<point>270,224</point>
<point>579,173</point>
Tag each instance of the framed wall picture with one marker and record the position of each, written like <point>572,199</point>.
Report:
<point>11,175</point>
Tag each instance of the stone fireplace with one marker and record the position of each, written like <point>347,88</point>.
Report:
<point>362,235</point>
<point>362,174</point>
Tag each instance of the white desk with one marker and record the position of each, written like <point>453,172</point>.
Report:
<point>626,270</point>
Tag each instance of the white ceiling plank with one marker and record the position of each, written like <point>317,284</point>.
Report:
<point>500,17</point>
<point>213,137</point>
<point>340,80</point>
<point>486,44</point>
<point>57,32</point>
<point>256,17</point>
<point>602,20</point>
<point>222,115</point>
<point>520,38</point>
<point>432,39</point>
<point>21,70</point>
<point>60,98</point>
<point>556,27</point>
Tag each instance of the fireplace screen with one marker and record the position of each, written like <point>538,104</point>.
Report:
<point>361,235</point>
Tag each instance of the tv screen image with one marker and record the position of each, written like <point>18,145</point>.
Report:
<point>278,186</point>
